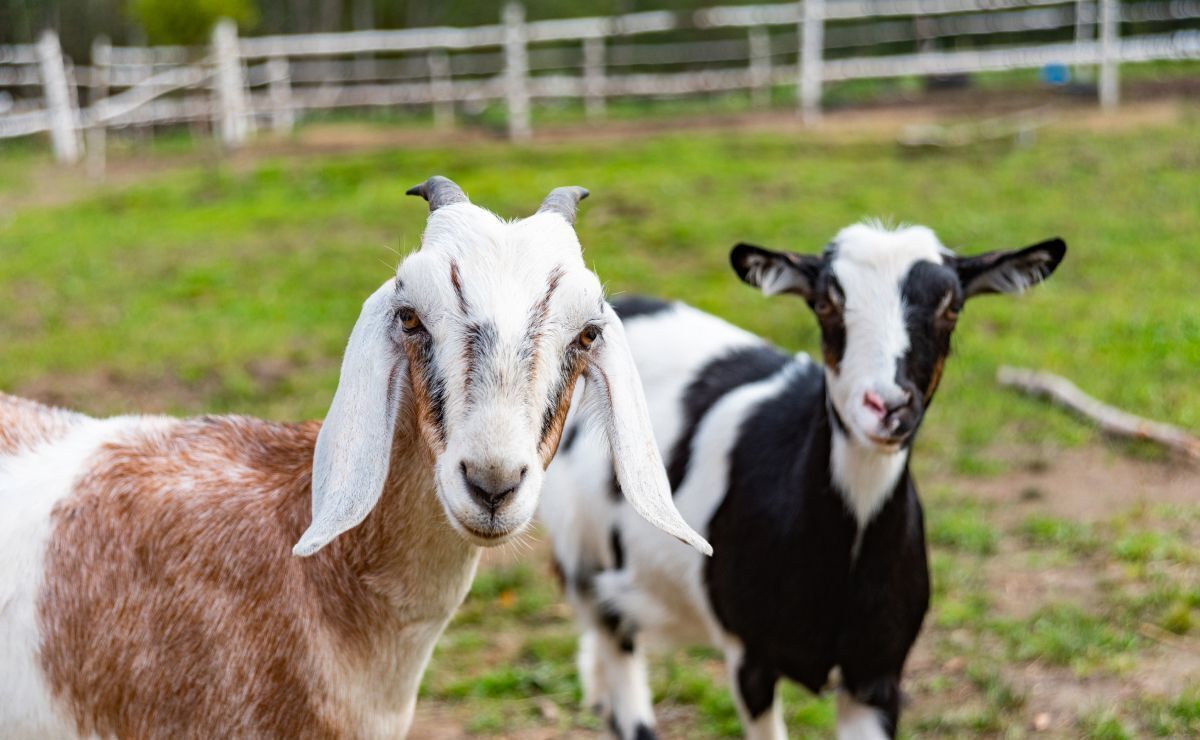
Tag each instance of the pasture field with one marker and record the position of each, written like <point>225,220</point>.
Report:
<point>1066,567</point>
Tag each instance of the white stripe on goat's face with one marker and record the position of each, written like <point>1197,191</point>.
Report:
<point>495,342</point>
<point>867,374</point>
<point>887,301</point>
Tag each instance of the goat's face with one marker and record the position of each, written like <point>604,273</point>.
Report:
<point>497,320</point>
<point>482,335</point>
<point>887,302</point>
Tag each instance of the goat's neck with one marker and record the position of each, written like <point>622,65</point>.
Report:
<point>389,586</point>
<point>864,475</point>
<point>406,549</point>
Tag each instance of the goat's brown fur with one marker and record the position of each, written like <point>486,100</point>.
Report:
<point>173,607</point>
<point>25,424</point>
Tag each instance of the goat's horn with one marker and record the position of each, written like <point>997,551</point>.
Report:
<point>564,202</point>
<point>439,191</point>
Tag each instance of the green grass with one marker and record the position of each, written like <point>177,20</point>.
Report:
<point>1067,635</point>
<point>184,289</point>
<point>960,523</point>
<point>1040,530</point>
<point>222,288</point>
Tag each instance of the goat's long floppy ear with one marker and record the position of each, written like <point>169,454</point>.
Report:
<point>1010,271</point>
<point>776,272</point>
<point>615,388</point>
<point>355,443</point>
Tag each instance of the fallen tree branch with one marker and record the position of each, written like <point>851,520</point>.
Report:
<point>1109,419</point>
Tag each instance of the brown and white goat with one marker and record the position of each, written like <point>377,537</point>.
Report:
<point>148,586</point>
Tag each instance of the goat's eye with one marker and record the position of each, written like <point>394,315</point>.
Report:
<point>408,319</point>
<point>829,304</point>
<point>588,336</point>
<point>950,314</point>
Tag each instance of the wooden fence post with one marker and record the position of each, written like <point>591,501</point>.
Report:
<point>760,66</point>
<point>441,89</point>
<point>232,113</point>
<point>593,77</point>
<point>1084,32</point>
<point>812,41</point>
<point>1110,28</point>
<point>516,72</point>
<point>64,117</point>
<point>97,133</point>
<point>279,89</point>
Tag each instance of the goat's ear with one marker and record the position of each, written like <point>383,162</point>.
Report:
<point>776,272</point>
<point>355,443</point>
<point>1009,271</point>
<point>615,390</point>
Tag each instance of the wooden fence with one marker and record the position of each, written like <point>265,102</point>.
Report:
<point>237,85</point>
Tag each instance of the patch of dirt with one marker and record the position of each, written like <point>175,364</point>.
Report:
<point>1085,484</point>
<point>1061,696</point>
<point>1018,588</point>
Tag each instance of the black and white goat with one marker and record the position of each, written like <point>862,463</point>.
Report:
<point>796,472</point>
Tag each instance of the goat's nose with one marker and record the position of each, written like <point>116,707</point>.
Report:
<point>890,408</point>
<point>490,484</point>
<point>873,402</point>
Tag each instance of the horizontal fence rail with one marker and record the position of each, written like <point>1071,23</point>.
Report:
<point>237,85</point>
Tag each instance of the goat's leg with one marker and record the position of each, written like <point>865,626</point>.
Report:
<point>579,590</point>
<point>623,665</point>
<point>591,672</point>
<point>869,710</point>
<point>754,687</point>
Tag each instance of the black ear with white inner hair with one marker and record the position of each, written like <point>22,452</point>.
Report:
<point>776,272</point>
<point>1009,271</point>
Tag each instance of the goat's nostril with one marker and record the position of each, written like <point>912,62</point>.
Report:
<point>875,404</point>
<point>906,402</point>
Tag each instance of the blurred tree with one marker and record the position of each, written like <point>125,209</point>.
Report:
<point>189,21</point>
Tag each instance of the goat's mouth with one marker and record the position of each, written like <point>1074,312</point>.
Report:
<point>494,534</point>
<point>889,443</point>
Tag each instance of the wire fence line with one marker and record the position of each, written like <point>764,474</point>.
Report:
<point>237,85</point>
